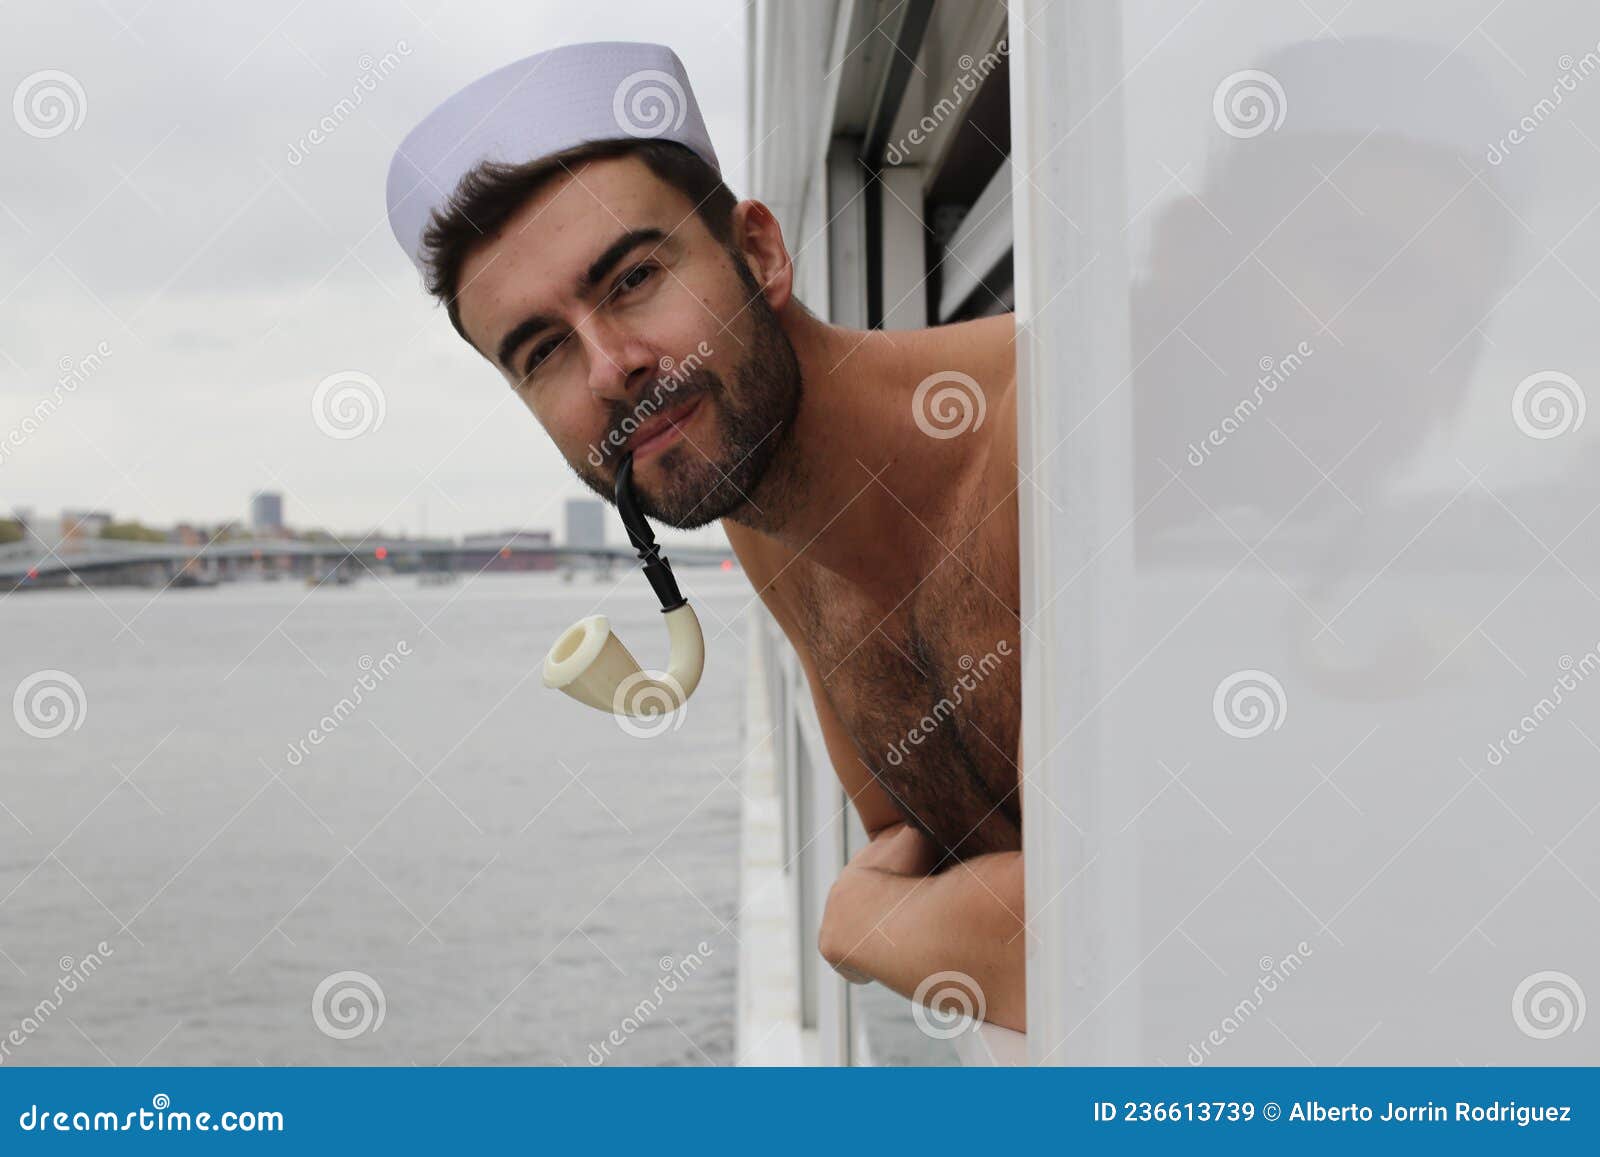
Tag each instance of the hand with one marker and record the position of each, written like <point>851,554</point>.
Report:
<point>898,849</point>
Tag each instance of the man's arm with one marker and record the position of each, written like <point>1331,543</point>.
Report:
<point>900,927</point>
<point>888,920</point>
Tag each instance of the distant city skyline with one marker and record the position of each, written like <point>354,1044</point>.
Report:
<point>583,524</point>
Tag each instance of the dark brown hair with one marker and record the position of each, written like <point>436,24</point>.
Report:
<point>491,194</point>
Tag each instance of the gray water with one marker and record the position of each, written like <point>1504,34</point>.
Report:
<point>519,877</point>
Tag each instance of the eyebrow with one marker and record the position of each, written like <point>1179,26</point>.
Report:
<point>597,271</point>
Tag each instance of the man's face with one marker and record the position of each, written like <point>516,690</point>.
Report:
<point>625,326</point>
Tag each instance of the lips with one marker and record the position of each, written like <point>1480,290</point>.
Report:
<point>660,430</point>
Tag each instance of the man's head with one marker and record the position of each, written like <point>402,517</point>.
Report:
<point>620,290</point>
<point>569,213</point>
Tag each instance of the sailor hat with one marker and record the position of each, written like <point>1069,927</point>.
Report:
<point>545,104</point>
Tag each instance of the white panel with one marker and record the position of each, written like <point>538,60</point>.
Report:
<point>1071,358</point>
<point>1308,356</point>
<point>790,55</point>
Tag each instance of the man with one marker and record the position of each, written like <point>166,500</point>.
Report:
<point>569,212</point>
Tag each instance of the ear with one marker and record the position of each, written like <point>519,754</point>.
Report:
<point>757,235</point>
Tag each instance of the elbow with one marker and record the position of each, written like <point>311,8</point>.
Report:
<point>833,937</point>
<point>830,947</point>
<point>840,940</point>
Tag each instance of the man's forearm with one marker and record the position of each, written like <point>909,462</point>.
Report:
<point>900,930</point>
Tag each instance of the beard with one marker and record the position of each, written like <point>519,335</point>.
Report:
<point>695,483</point>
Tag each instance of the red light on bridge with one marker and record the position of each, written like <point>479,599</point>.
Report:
<point>727,564</point>
<point>381,553</point>
<point>505,552</point>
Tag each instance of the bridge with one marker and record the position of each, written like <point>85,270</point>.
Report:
<point>113,561</point>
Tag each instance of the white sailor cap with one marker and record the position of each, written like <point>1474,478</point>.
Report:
<point>544,104</point>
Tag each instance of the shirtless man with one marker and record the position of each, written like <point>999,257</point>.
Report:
<point>886,549</point>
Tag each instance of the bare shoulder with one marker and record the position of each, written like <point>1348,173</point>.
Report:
<point>986,348</point>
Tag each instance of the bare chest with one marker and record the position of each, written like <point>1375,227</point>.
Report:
<point>930,690</point>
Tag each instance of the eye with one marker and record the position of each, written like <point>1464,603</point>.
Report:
<point>540,352</point>
<point>633,279</point>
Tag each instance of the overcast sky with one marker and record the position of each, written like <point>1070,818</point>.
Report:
<point>227,279</point>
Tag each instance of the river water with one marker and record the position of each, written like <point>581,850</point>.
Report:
<point>472,869</point>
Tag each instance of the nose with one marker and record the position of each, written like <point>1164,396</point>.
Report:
<point>619,363</point>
